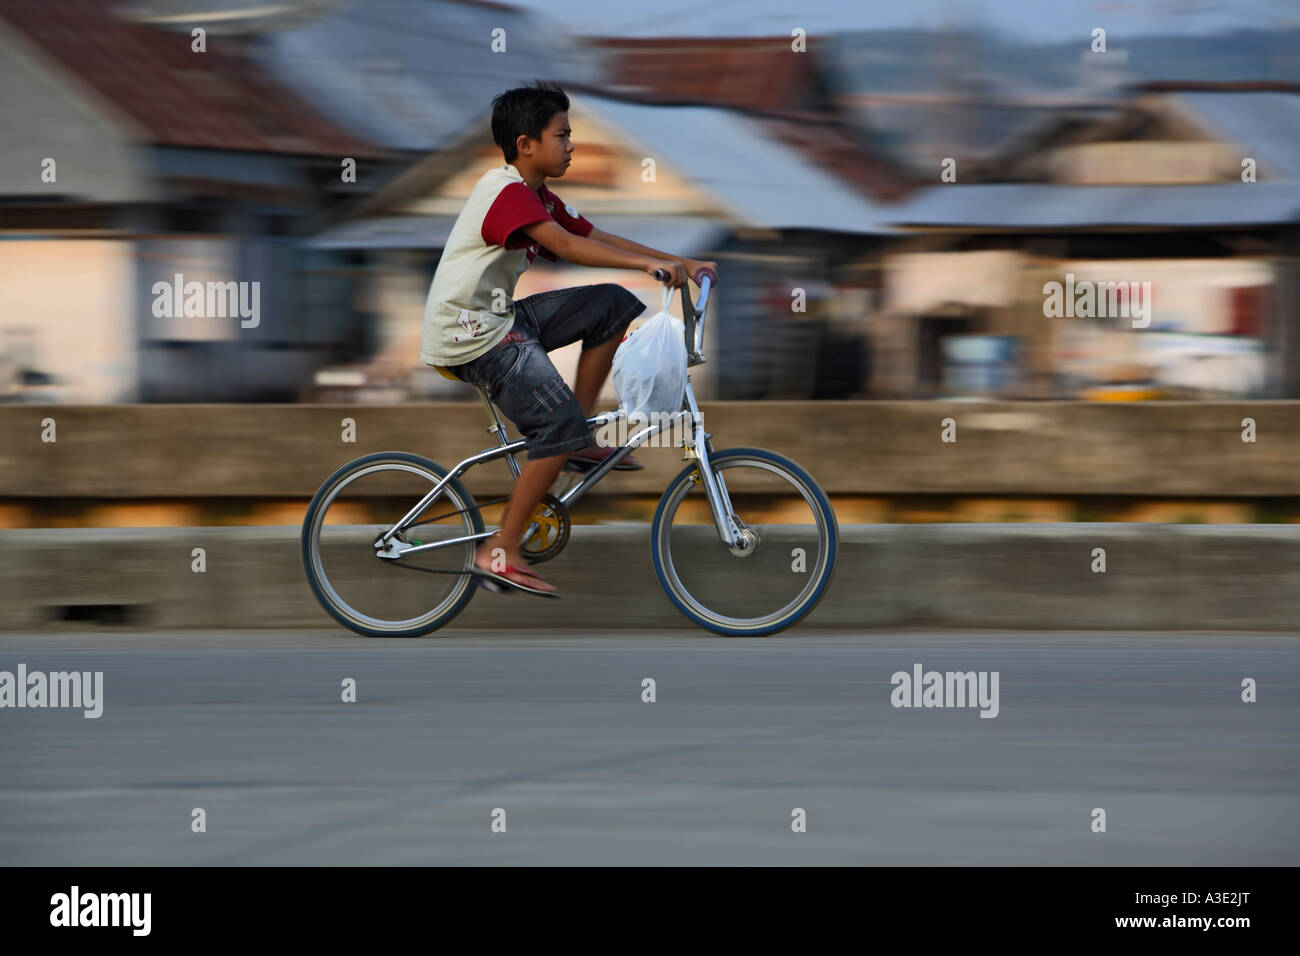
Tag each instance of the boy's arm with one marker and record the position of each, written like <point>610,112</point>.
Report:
<point>692,266</point>
<point>586,251</point>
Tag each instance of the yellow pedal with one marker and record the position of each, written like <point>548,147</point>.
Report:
<point>548,524</point>
<point>549,531</point>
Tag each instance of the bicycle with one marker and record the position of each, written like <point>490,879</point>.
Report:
<point>704,553</point>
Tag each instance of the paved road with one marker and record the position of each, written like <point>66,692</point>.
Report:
<point>552,729</point>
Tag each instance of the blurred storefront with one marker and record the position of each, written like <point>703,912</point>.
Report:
<point>1192,192</point>
<point>130,159</point>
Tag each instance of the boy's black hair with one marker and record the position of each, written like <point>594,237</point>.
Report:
<point>525,111</point>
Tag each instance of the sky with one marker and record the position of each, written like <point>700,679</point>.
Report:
<point>1033,20</point>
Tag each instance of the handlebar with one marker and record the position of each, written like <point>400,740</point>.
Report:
<point>707,278</point>
<point>705,275</point>
<point>694,318</point>
<point>693,315</point>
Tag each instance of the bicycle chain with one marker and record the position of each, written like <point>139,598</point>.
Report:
<point>493,501</point>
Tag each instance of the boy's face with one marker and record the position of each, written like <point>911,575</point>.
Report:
<point>549,155</point>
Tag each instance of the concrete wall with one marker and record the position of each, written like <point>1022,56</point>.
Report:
<point>874,448</point>
<point>1158,577</point>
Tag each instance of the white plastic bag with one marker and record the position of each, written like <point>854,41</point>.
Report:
<point>650,364</point>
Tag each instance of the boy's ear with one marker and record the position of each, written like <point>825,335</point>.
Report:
<point>523,144</point>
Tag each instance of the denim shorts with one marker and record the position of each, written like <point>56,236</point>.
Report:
<point>519,377</point>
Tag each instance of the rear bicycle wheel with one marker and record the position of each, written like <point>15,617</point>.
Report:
<point>773,584</point>
<point>389,597</point>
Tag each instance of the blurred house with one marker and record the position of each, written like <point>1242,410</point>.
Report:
<point>923,96</point>
<point>793,325</point>
<point>760,177</point>
<point>224,166</point>
<point>1192,188</point>
<point>131,158</point>
<point>410,76</point>
<point>926,94</point>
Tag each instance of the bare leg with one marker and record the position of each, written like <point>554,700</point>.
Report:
<point>538,474</point>
<point>593,369</point>
<point>535,477</point>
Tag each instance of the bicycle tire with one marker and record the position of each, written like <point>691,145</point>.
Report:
<point>347,616</point>
<point>722,624</point>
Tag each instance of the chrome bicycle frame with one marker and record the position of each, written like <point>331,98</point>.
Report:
<point>698,446</point>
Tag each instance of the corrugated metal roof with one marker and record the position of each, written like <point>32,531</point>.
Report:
<point>175,96</point>
<point>684,235</point>
<point>922,130</point>
<point>386,232</point>
<point>1265,124</point>
<point>1045,206</point>
<point>761,181</point>
<point>760,76</point>
<point>413,75</point>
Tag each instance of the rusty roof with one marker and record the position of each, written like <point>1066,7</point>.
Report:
<point>837,151</point>
<point>763,78</point>
<point>761,73</point>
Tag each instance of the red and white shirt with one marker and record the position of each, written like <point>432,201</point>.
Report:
<point>471,306</point>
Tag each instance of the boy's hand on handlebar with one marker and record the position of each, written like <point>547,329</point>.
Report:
<point>675,272</point>
<point>694,266</point>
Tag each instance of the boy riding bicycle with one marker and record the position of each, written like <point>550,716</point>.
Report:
<point>473,328</point>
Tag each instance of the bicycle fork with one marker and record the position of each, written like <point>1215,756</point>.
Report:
<point>739,539</point>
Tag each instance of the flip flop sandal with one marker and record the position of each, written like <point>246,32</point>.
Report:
<point>499,583</point>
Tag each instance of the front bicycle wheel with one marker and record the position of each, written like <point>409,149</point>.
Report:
<point>770,585</point>
<point>383,596</point>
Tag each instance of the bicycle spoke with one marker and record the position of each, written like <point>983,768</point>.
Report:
<point>767,586</point>
<point>376,594</point>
